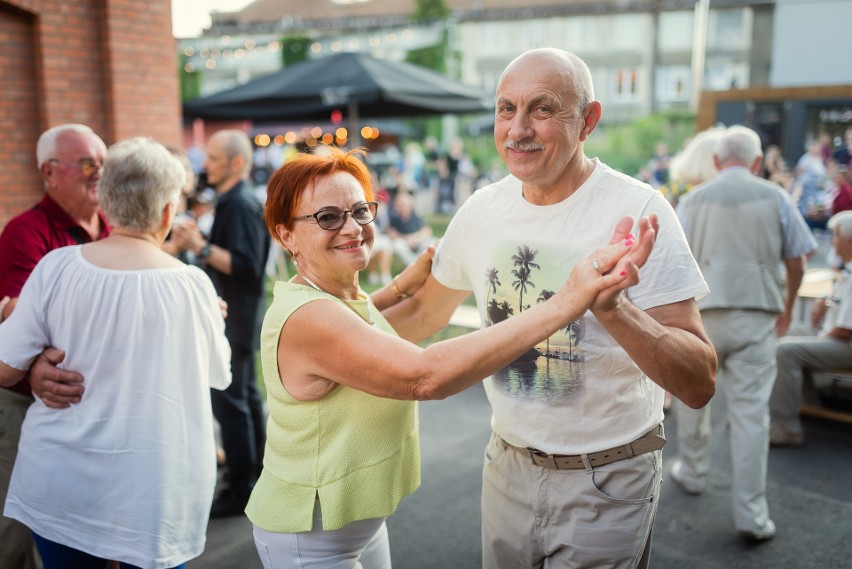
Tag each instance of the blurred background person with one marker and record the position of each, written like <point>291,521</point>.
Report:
<point>235,257</point>
<point>843,155</point>
<point>801,354</point>
<point>692,165</point>
<point>775,168</point>
<point>742,230</point>
<point>187,193</point>
<point>808,190</point>
<point>136,455</point>
<point>409,234</point>
<point>658,166</point>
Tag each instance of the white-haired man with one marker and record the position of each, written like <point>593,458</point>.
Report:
<point>830,350</point>
<point>69,158</point>
<point>741,228</point>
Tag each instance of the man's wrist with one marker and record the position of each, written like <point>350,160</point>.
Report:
<point>204,252</point>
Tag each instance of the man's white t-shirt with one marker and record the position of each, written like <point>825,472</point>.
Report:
<point>129,472</point>
<point>578,392</point>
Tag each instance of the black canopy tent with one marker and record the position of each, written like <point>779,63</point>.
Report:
<point>357,84</point>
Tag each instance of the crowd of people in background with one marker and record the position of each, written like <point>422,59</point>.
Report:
<point>819,182</point>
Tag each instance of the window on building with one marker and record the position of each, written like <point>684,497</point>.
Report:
<point>727,29</point>
<point>673,83</point>
<point>624,84</point>
<point>675,31</point>
<point>722,74</point>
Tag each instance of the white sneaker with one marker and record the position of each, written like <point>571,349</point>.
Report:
<point>676,476</point>
<point>781,436</point>
<point>765,533</point>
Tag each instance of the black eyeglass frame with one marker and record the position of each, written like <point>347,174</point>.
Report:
<point>85,165</point>
<point>372,207</point>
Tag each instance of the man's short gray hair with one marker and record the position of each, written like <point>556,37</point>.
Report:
<point>236,143</point>
<point>739,145</point>
<point>46,147</point>
<point>140,177</point>
<point>843,222</point>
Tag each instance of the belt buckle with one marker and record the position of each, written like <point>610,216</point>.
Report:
<point>531,453</point>
<point>542,459</point>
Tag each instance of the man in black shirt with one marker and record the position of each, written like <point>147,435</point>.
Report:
<point>235,257</point>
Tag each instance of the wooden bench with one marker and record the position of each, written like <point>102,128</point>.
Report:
<point>835,382</point>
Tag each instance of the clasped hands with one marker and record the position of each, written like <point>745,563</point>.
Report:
<point>186,236</point>
<point>613,268</point>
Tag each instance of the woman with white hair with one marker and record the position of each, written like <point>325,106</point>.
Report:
<point>692,165</point>
<point>127,474</point>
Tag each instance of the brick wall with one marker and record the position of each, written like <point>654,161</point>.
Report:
<point>110,64</point>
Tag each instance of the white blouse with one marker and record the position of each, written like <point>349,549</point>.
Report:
<point>129,472</point>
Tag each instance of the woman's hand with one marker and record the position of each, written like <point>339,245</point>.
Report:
<point>405,283</point>
<point>628,264</point>
<point>412,278</point>
<point>598,280</point>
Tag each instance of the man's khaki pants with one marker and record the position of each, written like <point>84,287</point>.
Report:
<point>535,517</point>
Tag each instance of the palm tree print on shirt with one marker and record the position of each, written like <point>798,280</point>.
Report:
<point>555,367</point>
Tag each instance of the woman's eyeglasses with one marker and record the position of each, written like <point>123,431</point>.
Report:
<point>333,218</point>
<point>86,165</point>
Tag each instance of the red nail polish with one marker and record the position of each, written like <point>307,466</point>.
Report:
<point>623,273</point>
<point>628,243</point>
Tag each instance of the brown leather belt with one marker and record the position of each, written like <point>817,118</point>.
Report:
<point>650,441</point>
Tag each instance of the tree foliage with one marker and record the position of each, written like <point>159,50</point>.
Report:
<point>629,147</point>
<point>294,49</point>
<point>434,56</point>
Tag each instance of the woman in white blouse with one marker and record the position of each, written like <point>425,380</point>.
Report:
<point>129,473</point>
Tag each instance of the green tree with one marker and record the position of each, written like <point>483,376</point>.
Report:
<point>628,147</point>
<point>190,81</point>
<point>433,56</point>
<point>294,49</point>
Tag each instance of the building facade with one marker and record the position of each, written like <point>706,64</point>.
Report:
<point>109,64</point>
<point>640,51</point>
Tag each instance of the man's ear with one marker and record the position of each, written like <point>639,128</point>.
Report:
<point>46,172</point>
<point>591,119</point>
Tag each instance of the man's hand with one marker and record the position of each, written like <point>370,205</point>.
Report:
<point>57,388</point>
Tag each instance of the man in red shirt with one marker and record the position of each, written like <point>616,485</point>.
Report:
<point>70,158</point>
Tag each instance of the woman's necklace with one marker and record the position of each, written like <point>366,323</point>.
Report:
<point>368,318</point>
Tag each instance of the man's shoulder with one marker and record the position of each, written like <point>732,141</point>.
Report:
<point>504,188</point>
<point>613,179</point>
<point>738,179</point>
<point>32,222</point>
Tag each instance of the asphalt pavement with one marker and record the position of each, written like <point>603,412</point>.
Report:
<point>809,488</point>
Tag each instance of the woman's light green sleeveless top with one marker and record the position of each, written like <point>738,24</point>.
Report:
<point>359,454</point>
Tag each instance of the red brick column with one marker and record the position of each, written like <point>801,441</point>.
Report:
<point>110,64</point>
